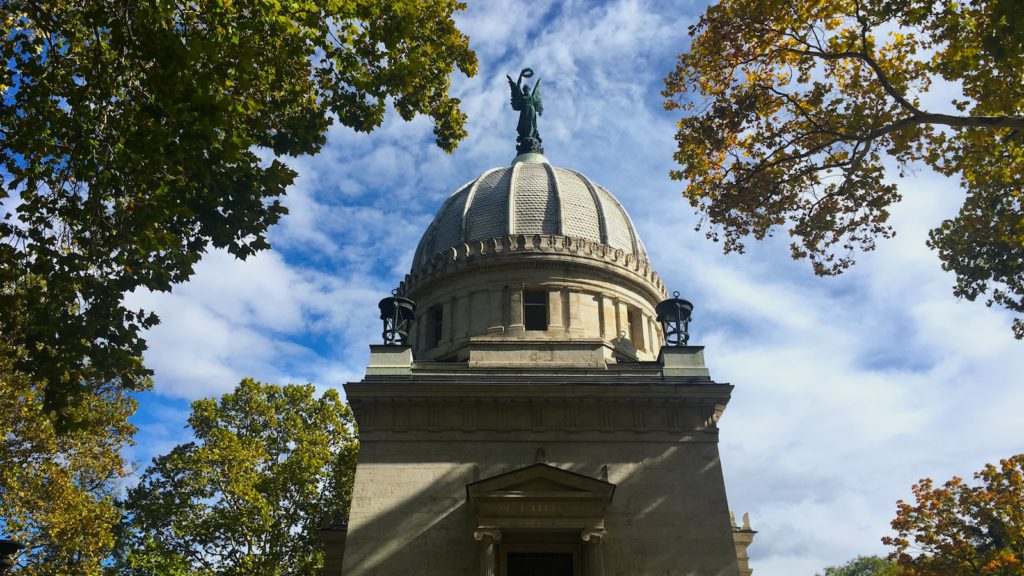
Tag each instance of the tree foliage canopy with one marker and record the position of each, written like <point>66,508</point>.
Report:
<point>791,109</point>
<point>57,489</point>
<point>136,135</point>
<point>961,530</point>
<point>865,566</point>
<point>248,496</point>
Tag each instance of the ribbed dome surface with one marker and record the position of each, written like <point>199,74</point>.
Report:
<point>530,197</point>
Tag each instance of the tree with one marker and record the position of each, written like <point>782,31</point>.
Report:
<point>248,496</point>
<point>958,529</point>
<point>137,135</point>
<point>56,489</point>
<point>791,108</point>
<point>864,566</point>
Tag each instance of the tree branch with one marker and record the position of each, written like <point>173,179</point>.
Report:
<point>882,78</point>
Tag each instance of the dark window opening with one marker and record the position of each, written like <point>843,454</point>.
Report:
<point>636,327</point>
<point>435,320</point>
<point>535,309</point>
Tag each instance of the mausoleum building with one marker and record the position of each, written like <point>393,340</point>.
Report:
<point>529,418</point>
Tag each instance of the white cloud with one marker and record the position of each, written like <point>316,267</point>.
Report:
<point>261,318</point>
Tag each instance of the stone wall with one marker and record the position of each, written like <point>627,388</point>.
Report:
<point>650,428</point>
<point>668,516</point>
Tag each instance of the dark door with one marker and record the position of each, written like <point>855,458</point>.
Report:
<point>539,564</point>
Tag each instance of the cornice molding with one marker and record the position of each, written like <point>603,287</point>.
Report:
<point>510,250</point>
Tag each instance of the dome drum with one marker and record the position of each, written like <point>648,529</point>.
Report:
<point>544,322</point>
<point>541,301</point>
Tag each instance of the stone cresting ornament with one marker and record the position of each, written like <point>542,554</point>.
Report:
<point>462,257</point>
<point>529,106</point>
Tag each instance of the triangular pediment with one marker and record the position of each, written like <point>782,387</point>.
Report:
<point>542,485</point>
<point>541,481</point>
<point>540,495</point>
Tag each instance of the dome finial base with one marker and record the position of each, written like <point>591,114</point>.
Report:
<point>528,145</point>
<point>530,158</point>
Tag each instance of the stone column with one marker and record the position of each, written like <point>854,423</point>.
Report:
<point>622,319</point>
<point>574,313</point>
<point>461,322</point>
<point>516,309</point>
<point>448,321</point>
<point>555,309</point>
<point>488,537</point>
<point>499,306</point>
<point>593,554</point>
<point>610,327</point>
<point>419,335</point>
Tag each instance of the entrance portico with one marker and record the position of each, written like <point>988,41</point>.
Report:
<point>540,520</point>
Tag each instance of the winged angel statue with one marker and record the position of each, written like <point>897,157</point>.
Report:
<point>529,106</point>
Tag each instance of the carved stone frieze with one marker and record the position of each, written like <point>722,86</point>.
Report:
<point>432,414</point>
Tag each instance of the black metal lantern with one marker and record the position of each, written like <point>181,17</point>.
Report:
<point>8,548</point>
<point>674,315</point>
<point>397,314</point>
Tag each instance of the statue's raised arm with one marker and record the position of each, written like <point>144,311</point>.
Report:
<point>529,107</point>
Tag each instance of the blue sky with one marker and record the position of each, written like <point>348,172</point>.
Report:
<point>848,389</point>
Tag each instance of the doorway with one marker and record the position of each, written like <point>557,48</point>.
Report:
<point>539,564</point>
<point>530,553</point>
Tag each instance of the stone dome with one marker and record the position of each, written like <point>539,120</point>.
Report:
<point>529,262</point>
<point>530,197</point>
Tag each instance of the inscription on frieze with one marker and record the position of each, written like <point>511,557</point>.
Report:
<point>538,508</point>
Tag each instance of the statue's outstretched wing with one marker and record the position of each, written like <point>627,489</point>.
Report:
<point>537,104</point>
<point>517,94</point>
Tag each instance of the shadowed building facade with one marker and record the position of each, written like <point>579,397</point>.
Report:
<point>535,424</point>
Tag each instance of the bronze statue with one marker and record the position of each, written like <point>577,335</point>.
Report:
<point>529,106</point>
